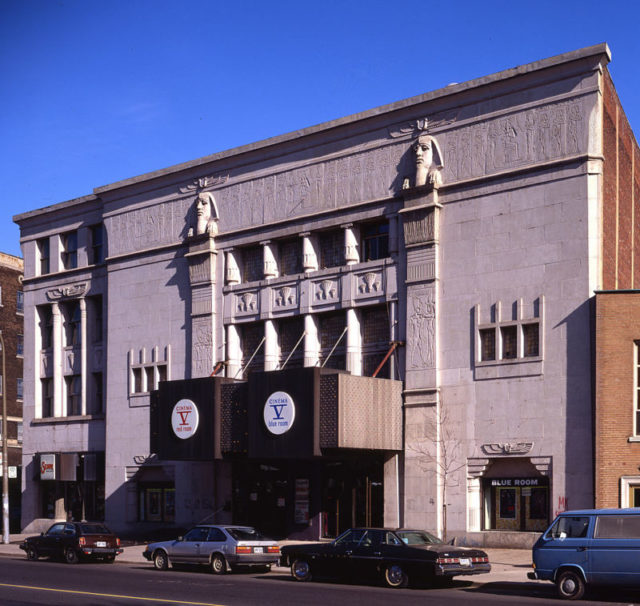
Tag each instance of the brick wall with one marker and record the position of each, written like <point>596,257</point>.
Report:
<point>11,324</point>
<point>617,330</point>
<point>621,196</point>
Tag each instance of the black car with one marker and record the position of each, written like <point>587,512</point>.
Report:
<point>394,556</point>
<point>72,541</point>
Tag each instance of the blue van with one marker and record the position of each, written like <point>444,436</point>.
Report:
<point>589,547</point>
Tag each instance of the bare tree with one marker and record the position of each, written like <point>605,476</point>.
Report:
<point>440,452</point>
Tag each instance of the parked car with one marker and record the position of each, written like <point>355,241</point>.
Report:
<point>220,547</point>
<point>395,556</point>
<point>589,547</point>
<point>73,541</point>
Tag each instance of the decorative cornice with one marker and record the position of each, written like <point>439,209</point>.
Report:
<point>68,292</point>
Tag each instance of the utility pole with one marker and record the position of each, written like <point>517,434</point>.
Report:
<point>5,456</point>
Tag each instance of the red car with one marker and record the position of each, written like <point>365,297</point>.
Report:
<point>72,541</point>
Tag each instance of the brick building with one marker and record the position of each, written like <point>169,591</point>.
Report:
<point>462,232</point>
<point>12,327</point>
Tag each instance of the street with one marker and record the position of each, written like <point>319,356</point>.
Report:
<point>54,583</point>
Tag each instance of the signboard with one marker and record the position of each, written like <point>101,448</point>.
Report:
<point>510,482</point>
<point>279,413</point>
<point>185,419</point>
<point>47,467</point>
<point>302,498</point>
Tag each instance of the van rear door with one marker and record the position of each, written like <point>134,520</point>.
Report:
<point>614,552</point>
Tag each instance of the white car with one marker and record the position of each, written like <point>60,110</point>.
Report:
<point>222,547</point>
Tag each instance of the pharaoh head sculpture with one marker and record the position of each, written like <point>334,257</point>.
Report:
<point>206,215</point>
<point>428,161</point>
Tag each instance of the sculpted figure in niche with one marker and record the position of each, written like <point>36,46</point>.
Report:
<point>428,161</point>
<point>206,215</point>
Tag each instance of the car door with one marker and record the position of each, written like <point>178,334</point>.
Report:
<point>216,542</point>
<point>565,543</point>
<point>49,543</point>
<point>367,555</point>
<point>338,559</point>
<point>187,551</point>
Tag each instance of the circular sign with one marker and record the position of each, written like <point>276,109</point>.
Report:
<point>279,413</point>
<point>185,419</point>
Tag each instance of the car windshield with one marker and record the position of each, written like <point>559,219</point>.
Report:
<point>94,529</point>
<point>245,534</point>
<point>417,537</point>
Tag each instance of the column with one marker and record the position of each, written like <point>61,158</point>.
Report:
<point>234,351</point>
<point>311,341</point>
<point>354,342</point>
<point>270,345</point>
<point>351,244</point>
<point>83,356</point>
<point>270,264</point>
<point>309,254</point>
<point>232,273</point>
<point>57,359</point>
<point>474,504</point>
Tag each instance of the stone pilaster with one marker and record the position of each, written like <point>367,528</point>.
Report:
<point>202,270</point>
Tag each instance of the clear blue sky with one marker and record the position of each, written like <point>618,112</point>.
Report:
<point>92,92</point>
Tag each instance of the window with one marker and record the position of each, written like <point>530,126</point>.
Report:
<point>617,527</point>
<point>570,528</point>
<point>72,323</point>
<point>508,335</point>
<point>137,380</point>
<point>162,372</point>
<point>46,326</point>
<point>43,251</point>
<point>375,340</point>
<point>157,503</point>
<point>96,319</point>
<point>331,246</point>
<point>290,331</point>
<point>19,388</point>
<point>19,431</point>
<point>331,328</point>
<point>637,388</point>
<point>70,250</point>
<point>252,264</point>
<point>96,390</point>
<point>20,345</point>
<point>74,392</point>
<point>290,253</point>
<point>96,254</point>
<point>375,240</point>
<point>530,340</point>
<point>145,374</point>
<point>19,302</point>
<point>46,385</point>
<point>487,344</point>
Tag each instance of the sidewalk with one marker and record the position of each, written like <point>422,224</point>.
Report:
<point>507,565</point>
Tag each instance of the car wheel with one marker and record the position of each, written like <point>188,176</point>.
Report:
<point>300,570</point>
<point>160,560</point>
<point>70,556</point>
<point>395,576</point>
<point>570,585</point>
<point>218,564</point>
<point>32,554</point>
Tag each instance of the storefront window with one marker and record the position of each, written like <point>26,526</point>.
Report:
<point>516,504</point>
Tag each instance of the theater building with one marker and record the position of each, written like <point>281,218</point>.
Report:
<point>386,319</point>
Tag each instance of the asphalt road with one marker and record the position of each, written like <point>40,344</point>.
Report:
<point>90,584</point>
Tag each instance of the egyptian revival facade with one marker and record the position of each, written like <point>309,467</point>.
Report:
<point>386,319</point>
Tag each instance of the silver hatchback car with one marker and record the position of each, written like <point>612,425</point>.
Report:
<point>221,547</point>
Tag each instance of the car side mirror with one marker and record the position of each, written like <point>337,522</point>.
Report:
<point>180,538</point>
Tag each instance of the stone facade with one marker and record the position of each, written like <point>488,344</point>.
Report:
<point>462,226</point>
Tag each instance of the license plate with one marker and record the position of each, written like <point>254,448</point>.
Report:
<point>465,562</point>
<point>101,543</point>
<point>258,550</point>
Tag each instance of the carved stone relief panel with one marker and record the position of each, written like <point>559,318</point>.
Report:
<point>68,292</point>
<point>326,290</point>
<point>369,283</point>
<point>507,448</point>
<point>421,264</point>
<point>285,296</point>
<point>202,346</point>
<point>419,226</point>
<point>421,328</point>
<point>539,134</point>
<point>247,303</point>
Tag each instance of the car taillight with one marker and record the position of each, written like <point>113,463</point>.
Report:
<point>117,542</point>
<point>243,549</point>
<point>448,560</point>
<point>273,549</point>
<point>82,541</point>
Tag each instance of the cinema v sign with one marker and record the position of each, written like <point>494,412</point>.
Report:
<point>185,419</point>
